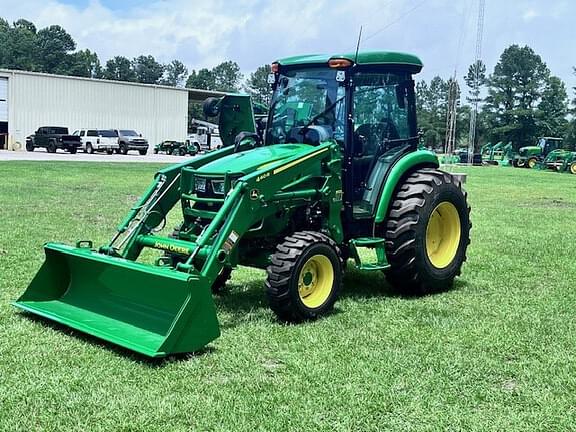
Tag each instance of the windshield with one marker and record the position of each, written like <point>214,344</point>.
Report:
<point>308,98</point>
<point>128,133</point>
<point>107,133</point>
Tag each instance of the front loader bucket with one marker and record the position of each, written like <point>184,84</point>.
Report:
<point>151,310</point>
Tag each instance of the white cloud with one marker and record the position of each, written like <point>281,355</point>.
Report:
<point>254,32</point>
<point>530,14</point>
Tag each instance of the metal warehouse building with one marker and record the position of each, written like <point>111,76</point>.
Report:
<point>29,100</point>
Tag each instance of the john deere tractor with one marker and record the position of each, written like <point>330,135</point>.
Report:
<point>560,160</point>
<point>530,156</point>
<point>337,174</point>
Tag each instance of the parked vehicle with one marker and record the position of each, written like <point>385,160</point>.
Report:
<point>175,148</point>
<point>53,138</point>
<point>204,136</point>
<point>98,140</point>
<point>129,139</point>
<point>530,156</point>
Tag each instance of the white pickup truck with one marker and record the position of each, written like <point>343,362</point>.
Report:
<point>98,140</point>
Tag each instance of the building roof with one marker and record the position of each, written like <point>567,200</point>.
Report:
<point>363,58</point>
<point>194,94</point>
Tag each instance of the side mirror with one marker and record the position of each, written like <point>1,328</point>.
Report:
<point>211,107</point>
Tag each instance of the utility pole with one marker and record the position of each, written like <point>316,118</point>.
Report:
<point>478,56</point>
<point>451,114</point>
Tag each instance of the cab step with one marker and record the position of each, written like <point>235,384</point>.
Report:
<point>376,243</point>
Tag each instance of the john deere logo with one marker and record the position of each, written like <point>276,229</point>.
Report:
<point>254,194</point>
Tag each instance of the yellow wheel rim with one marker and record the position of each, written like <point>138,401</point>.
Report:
<point>573,168</point>
<point>532,163</point>
<point>315,281</point>
<point>443,235</point>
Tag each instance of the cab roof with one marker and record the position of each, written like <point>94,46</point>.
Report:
<point>409,61</point>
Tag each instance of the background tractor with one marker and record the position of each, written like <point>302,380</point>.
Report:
<point>560,160</point>
<point>499,154</point>
<point>338,171</point>
<point>530,156</point>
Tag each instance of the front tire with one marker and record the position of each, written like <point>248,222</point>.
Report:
<point>123,149</point>
<point>89,149</point>
<point>142,152</point>
<point>427,232</point>
<point>305,276</point>
<point>531,163</point>
<point>29,146</point>
<point>110,151</point>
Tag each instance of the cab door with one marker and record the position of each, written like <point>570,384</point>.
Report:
<point>384,129</point>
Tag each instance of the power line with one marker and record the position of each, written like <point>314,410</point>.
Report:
<point>399,18</point>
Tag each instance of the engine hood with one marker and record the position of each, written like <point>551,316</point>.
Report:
<point>529,150</point>
<point>249,161</point>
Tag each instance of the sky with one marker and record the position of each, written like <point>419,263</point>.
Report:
<point>255,32</point>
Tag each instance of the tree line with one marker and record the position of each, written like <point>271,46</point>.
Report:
<point>53,50</point>
<point>518,102</point>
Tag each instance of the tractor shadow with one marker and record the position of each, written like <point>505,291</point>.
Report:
<point>115,349</point>
<point>241,303</point>
<point>247,302</point>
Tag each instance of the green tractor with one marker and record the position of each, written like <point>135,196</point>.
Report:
<point>499,154</point>
<point>343,180</point>
<point>531,156</point>
<point>560,160</point>
<point>174,148</point>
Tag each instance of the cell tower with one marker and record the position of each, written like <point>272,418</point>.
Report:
<point>478,56</point>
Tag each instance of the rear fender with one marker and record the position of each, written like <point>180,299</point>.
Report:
<point>411,162</point>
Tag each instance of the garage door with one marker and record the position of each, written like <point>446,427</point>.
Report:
<point>3,99</point>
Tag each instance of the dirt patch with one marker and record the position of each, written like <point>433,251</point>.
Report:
<point>549,203</point>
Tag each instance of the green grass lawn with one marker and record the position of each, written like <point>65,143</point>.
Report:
<point>495,353</point>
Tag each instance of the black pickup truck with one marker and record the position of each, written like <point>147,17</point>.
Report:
<point>53,138</point>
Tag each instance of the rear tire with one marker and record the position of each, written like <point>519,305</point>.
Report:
<point>110,151</point>
<point>572,168</point>
<point>142,152</point>
<point>89,148</point>
<point>51,147</point>
<point>73,150</point>
<point>427,232</point>
<point>305,276</point>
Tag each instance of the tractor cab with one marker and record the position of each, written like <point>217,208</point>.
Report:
<point>364,103</point>
<point>548,144</point>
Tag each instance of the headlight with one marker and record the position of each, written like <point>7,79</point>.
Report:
<point>218,187</point>
<point>200,184</point>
